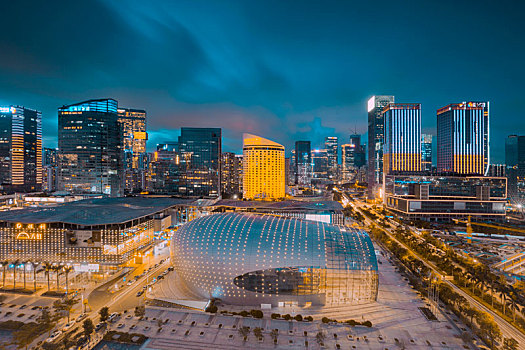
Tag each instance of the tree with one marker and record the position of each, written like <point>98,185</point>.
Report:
<point>15,264</point>
<point>67,270</point>
<point>88,327</point>
<point>23,337</point>
<point>104,314</point>
<point>257,331</point>
<point>510,344</point>
<point>48,268</point>
<point>244,331</point>
<point>488,327</point>
<point>274,334</point>
<point>4,265</point>
<point>57,271</point>
<point>319,337</point>
<point>470,313</point>
<point>66,304</point>
<point>140,311</point>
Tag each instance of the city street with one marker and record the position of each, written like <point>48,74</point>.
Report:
<point>508,330</point>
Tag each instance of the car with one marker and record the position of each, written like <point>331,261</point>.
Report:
<point>68,326</point>
<point>139,293</point>
<point>35,308</point>
<point>120,325</point>
<point>81,317</point>
<point>53,336</point>
<point>145,287</point>
<point>23,306</point>
<point>99,326</point>
<point>128,317</point>
<point>130,282</point>
<point>147,328</point>
<point>133,326</point>
<point>113,316</point>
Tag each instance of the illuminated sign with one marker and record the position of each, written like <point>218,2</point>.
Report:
<point>7,110</point>
<point>140,135</point>
<point>371,103</point>
<point>29,236</point>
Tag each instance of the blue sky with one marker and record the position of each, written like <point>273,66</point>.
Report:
<point>287,70</point>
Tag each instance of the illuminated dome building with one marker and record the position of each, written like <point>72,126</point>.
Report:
<point>250,259</point>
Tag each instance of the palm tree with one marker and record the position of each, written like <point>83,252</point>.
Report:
<point>57,269</point>
<point>503,301</point>
<point>67,270</point>
<point>48,267</point>
<point>24,265</point>
<point>34,265</point>
<point>14,273</point>
<point>4,265</point>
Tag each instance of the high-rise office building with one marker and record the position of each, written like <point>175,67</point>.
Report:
<point>90,142</point>
<point>515,154</point>
<point>50,169</point>
<point>200,151</point>
<point>50,157</point>
<point>331,144</point>
<point>320,163</point>
<point>402,140</point>
<point>134,137</point>
<point>303,163</point>
<point>376,104</point>
<point>164,174</point>
<point>426,152</point>
<point>292,175</point>
<point>358,152</point>
<point>20,149</point>
<point>463,138</point>
<point>231,174</point>
<point>263,168</point>
<point>347,158</point>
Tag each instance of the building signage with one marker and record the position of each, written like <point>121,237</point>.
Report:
<point>34,236</point>
<point>28,231</point>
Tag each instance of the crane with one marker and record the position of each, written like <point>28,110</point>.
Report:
<point>469,227</point>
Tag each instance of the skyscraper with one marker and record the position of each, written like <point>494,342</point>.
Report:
<point>426,152</point>
<point>165,170</point>
<point>134,136</point>
<point>463,138</point>
<point>358,152</point>
<point>200,150</point>
<point>376,104</point>
<point>49,169</point>
<point>263,168</point>
<point>89,142</point>
<point>20,149</point>
<point>230,174</point>
<point>347,157</point>
<point>402,141</point>
<point>331,144</point>
<point>320,163</point>
<point>515,154</point>
<point>303,163</point>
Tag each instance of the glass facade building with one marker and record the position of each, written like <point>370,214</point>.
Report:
<point>200,151</point>
<point>90,148</point>
<point>463,138</point>
<point>320,163</point>
<point>231,174</point>
<point>376,104</point>
<point>426,153</point>
<point>402,138</point>
<point>303,163</point>
<point>442,198</point>
<point>20,149</point>
<point>331,144</point>
<point>263,168</point>
<point>134,137</point>
<point>250,259</point>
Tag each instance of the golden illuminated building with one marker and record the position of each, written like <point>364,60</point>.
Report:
<point>263,168</point>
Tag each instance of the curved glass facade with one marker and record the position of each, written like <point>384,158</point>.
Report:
<point>250,259</point>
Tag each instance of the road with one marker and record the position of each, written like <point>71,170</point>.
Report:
<point>123,299</point>
<point>507,330</point>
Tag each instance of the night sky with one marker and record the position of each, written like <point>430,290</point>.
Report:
<point>286,70</point>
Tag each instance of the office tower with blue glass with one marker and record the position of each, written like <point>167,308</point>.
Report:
<point>463,138</point>
<point>303,163</point>
<point>402,143</point>
<point>331,145</point>
<point>20,149</point>
<point>90,148</point>
<point>426,153</point>
<point>200,151</point>
<point>376,104</point>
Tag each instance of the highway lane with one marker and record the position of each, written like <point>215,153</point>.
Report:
<point>507,330</point>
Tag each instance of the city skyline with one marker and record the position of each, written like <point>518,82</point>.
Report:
<point>306,83</point>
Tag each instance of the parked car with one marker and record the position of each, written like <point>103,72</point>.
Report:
<point>81,317</point>
<point>139,293</point>
<point>53,336</point>
<point>99,326</point>
<point>68,326</point>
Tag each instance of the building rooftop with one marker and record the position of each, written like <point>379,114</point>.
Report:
<point>282,205</point>
<point>99,211</point>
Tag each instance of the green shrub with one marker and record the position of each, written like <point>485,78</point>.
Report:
<point>257,313</point>
<point>212,308</point>
<point>244,313</point>
<point>367,323</point>
<point>287,317</point>
<point>298,318</point>
<point>352,322</point>
<point>275,316</point>
<point>325,320</point>
<point>309,318</point>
